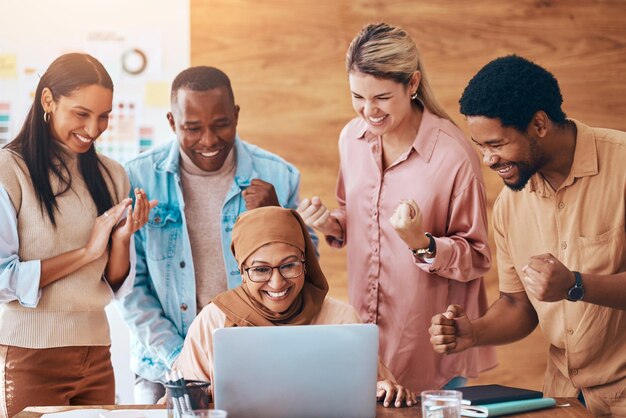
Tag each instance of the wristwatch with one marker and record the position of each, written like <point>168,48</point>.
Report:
<point>576,292</point>
<point>428,252</point>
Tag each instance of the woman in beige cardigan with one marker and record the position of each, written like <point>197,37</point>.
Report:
<point>65,245</point>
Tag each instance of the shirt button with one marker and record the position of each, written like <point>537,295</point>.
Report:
<point>183,307</point>
<point>564,245</point>
<point>157,219</point>
<point>561,205</point>
<point>375,250</point>
<point>574,372</point>
<point>182,264</point>
<point>570,331</point>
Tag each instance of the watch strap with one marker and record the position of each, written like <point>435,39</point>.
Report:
<point>576,292</point>
<point>432,245</point>
<point>428,252</point>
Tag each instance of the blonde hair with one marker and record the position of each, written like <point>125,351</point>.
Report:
<point>388,52</point>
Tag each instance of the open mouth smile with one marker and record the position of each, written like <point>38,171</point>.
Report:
<point>505,171</point>
<point>277,295</point>
<point>209,154</point>
<point>377,120</point>
<point>83,139</point>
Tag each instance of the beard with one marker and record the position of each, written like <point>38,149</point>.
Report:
<point>524,173</point>
<point>527,169</point>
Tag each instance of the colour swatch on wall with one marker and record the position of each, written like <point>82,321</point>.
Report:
<point>5,123</point>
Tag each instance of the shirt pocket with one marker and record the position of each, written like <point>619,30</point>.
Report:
<point>162,229</point>
<point>604,253</point>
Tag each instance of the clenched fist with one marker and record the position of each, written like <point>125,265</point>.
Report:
<point>260,193</point>
<point>318,217</point>
<point>407,222</point>
<point>452,331</point>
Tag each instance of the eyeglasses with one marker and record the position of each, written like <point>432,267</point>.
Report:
<point>261,274</point>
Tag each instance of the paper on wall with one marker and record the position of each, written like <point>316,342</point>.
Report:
<point>8,66</point>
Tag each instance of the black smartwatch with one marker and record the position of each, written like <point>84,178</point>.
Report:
<point>576,292</point>
<point>426,252</point>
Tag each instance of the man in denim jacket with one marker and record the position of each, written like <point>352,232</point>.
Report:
<point>183,253</point>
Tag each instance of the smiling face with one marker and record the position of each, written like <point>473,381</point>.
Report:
<point>205,123</point>
<point>277,294</point>
<point>515,156</point>
<point>79,119</point>
<point>384,104</point>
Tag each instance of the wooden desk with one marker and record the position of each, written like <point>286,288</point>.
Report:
<point>576,410</point>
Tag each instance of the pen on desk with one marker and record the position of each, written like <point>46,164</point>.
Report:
<point>181,381</point>
<point>174,396</point>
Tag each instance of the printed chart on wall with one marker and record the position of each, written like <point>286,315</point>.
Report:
<point>143,47</point>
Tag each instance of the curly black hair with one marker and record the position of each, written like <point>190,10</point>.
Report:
<point>512,89</point>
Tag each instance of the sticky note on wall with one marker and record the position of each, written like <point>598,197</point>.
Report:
<point>8,66</point>
<point>157,94</point>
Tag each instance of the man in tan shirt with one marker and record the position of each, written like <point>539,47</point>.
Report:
<point>559,231</point>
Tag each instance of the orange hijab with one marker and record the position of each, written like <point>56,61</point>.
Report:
<point>253,230</point>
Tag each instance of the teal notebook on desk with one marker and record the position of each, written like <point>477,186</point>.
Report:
<point>506,408</point>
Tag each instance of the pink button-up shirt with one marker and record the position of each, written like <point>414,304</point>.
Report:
<point>387,284</point>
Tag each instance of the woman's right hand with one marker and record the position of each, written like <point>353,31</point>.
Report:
<point>99,239</point>
<point>391,393</point>
<point>317,216</point>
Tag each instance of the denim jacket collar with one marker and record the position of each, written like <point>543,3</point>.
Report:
<point>170,160</point>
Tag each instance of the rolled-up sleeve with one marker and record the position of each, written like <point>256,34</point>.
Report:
<point>19,280</point>
<point>464,254</point>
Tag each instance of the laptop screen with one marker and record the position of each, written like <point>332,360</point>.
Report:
<point>296,371</point>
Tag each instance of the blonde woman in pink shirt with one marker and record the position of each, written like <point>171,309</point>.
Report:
<point>411,211</point>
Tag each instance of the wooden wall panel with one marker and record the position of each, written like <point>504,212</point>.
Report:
<point>286,62</point>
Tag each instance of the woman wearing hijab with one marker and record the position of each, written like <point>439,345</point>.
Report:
<point>283,284</point>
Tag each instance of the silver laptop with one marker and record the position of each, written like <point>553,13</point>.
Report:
<point>312,371</point>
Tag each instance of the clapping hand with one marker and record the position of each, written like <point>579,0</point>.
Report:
<point>111,225</point>
<point>135,218</point>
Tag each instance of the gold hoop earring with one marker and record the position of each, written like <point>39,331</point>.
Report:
<point>46,117</point>
<point>414,95</point>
